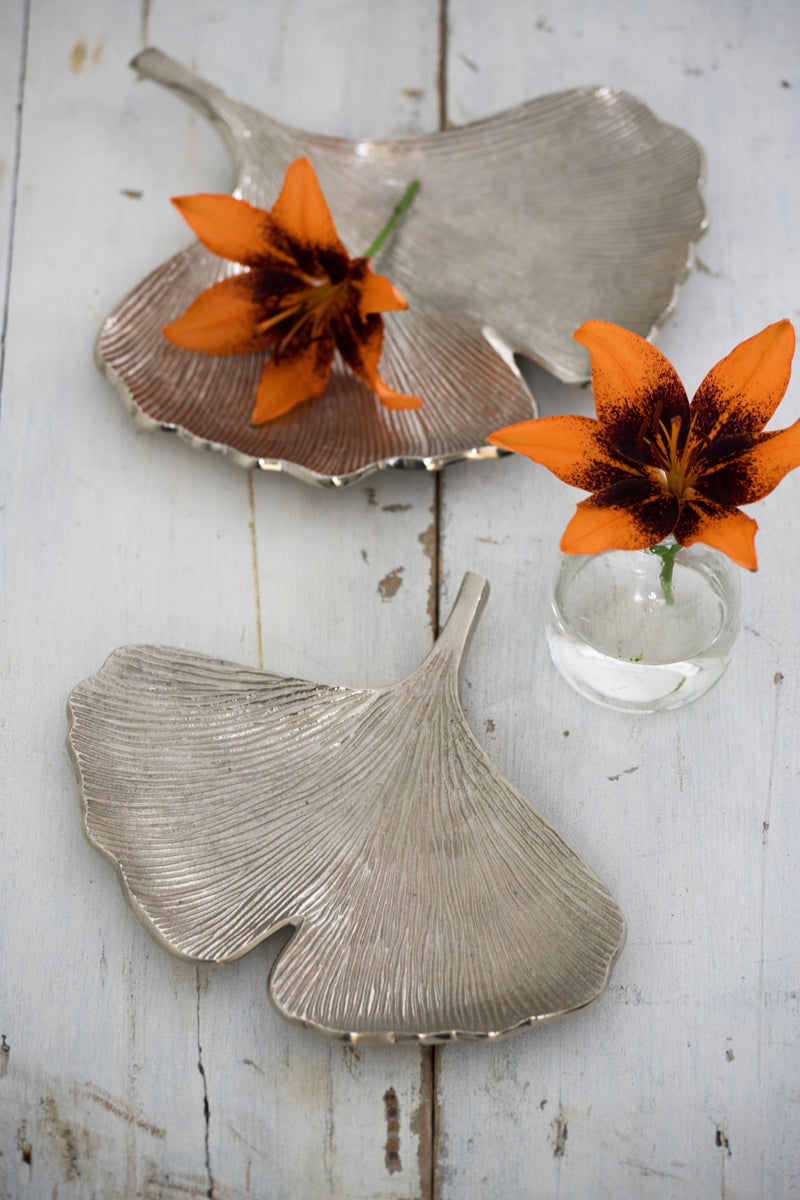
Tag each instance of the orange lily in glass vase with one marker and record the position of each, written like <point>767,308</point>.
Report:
<point>300,296</point>
<point>666,477</point>
<point>659,465</point>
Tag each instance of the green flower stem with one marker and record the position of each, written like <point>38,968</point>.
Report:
<point>399,209</point>
<point>667,554</point>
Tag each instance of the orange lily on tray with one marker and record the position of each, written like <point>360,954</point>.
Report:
<point>658,464</point>
<point>301,295</point>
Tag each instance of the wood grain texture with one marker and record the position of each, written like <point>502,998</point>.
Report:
<point>13,41</point>
<point>125,534</point>
<point>683,1082</point>
<point>342,593</point>
<point>688,1087</point>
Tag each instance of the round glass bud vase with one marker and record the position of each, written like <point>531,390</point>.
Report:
<point>644,630</point>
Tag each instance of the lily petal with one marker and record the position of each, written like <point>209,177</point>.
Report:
<point>233,228</point>
<point>302,212</point>
<point>389,398</point>
<point>628,516</point>
<point>293,379</point>
<point>633,384</point>
<point>361,351</point>
<point>740,394</point>
<point>751,474</point>
<point>378,295</point>
<point>222,320</point>
<point>572,447</point>
<point>725,529</point>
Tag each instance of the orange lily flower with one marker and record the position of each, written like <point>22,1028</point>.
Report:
<point>658,465</point>
<point>302,296</point>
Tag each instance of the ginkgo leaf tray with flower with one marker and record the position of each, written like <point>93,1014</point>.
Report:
<point>429,900</point>
<point>579,205</point>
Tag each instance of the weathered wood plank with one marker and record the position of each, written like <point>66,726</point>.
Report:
<point>114,536</point>
<point>344,583</point>
<point>682,1081</point>
<point>13,50</point>
<point>101,529</point>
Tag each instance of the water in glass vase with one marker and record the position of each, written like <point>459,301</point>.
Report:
<point>624,636</point>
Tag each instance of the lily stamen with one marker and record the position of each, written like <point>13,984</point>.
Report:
<point>662,444</point>
<point>641,439</point>
<point>279,316</point>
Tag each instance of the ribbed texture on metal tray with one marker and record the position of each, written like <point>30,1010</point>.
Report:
<point>430,900</point>
<point>576,206</point>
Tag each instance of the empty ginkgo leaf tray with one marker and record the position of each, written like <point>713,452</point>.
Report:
<point>576,206</point>
<point>429,899</point>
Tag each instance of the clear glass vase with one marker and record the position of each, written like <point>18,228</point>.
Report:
<point>625,634</point>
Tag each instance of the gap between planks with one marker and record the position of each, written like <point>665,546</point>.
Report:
<point>12,216</point>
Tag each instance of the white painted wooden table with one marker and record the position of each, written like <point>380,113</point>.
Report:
<point>125,1073</point>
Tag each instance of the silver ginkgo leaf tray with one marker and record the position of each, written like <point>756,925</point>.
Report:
<point>576,206</point>
<point>429,899</point>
